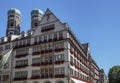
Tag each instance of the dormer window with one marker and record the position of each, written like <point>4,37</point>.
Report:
<point>48,28</point>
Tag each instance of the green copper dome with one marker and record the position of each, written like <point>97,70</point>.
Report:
<point>36,11</point>
<point>14,11</point>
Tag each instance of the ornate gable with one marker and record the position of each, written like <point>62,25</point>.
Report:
<point>49,23</point>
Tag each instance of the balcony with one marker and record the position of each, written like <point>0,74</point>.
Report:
<point>21,55</point>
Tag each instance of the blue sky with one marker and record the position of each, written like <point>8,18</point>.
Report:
<point>93,21</point>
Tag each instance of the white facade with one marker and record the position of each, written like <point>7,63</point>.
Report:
<point>48,53</point>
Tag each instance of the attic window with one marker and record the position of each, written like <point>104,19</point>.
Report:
<point>48,28</point>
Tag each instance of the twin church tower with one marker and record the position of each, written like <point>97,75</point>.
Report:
<point>14,20</point>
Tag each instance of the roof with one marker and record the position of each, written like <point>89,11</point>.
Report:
<point>36,11</point>
<point>14,11</point>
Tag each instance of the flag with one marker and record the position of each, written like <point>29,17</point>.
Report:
<point>5,58</point>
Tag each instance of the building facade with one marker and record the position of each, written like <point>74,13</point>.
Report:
<point>48,52</point>
<point>103,77</point>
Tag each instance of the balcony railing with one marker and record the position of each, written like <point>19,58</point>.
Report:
<point>36,53</point>
<point>35,77</point>
<point>59,76</point>
<point>20,78</point>
<point>21,46</point>
<point>59,62</point>
<point>36,64</point>
<point>21,55</point>
<point>59,49</point>
<point>21,66</point>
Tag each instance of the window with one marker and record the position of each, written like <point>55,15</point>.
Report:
<point>60,35</point>
<point>6,66</point>
<point>51,71</point>
<point>35,39</point>
<point>11,32</point>
<point>21,74</point>
<point>50,36</point>
<point>71,71</point>
<point>47,28</point>
<point>28,41</point>
<point>37,49</point>
<point>22,62</point>
<point>1,48</point>
<point>59,45</point>
<point>55,35</point>
<point>11,24</point>
<point>59,57</point>
<point>35,73</point>
<point>0,78</point>
<point>5,77</point>
<point>36,60</point>
<point>40,38</point>
<point>22,51</point>
<point>71,58</point>
<point>45,38</point>
<point>59,71</point>
<point>7,47</point>
<point>24,42</point>
<point>35,24</point>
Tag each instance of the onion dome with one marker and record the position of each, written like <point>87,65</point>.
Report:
<point>14,11</point>
<point>36,11</point>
